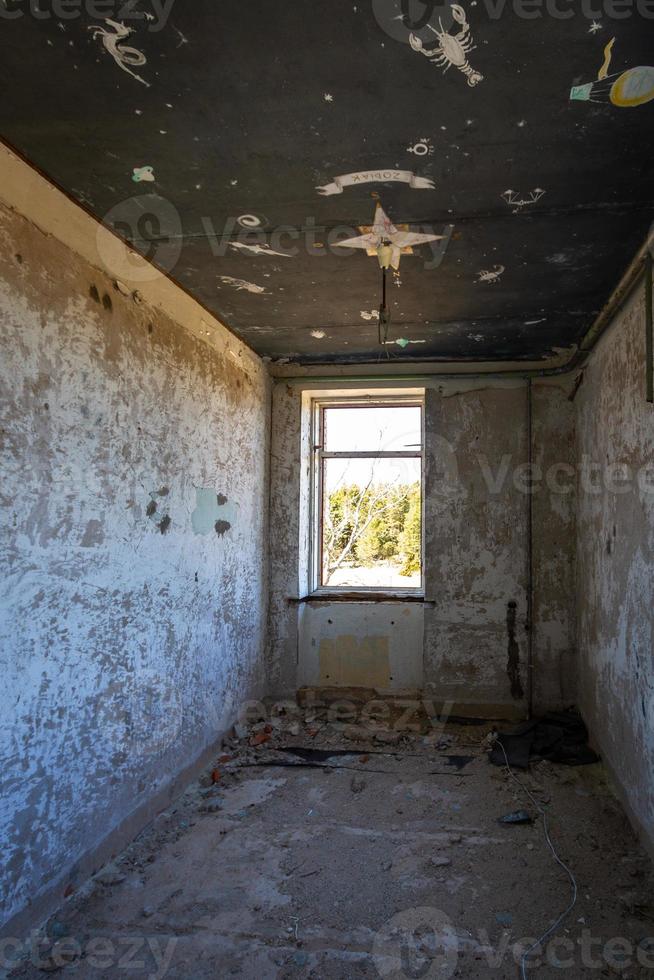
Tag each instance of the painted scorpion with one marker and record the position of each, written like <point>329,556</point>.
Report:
<point>452,49</point>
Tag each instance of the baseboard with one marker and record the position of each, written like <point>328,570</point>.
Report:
<point>427,704</point>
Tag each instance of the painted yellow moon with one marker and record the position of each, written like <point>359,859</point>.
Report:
<point>634,87</point>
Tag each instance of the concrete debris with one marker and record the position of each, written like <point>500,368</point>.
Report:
<point>274,856</point>
<point>489,741</point>
<point>516,817</point>
<point>212,807</point>
<point>440,862</point>
<point>110,875</point>
<point>387,738</point>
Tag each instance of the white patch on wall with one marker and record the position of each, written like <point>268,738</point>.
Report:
<point>451,49</point>
<point>318,334</point>
<point>369,314</point>
<point>422,147</point>
<point>491,275</point>
<point>242,284</point>
<point>518,202</point>
<point>125,56</point>
<point>328,97</point>
<point>258,249</point>
<point>376,177</point>
<point>143,174</point>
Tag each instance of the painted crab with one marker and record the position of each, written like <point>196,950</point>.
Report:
<point>452,49</point>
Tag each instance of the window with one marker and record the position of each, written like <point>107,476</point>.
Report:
<point>367,494</point>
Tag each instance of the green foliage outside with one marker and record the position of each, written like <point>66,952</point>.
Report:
<point>364,526</point>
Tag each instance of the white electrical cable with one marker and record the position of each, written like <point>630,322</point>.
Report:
<point>573,882</point>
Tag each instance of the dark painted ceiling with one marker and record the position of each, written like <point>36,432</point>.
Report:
<point>243,109</point>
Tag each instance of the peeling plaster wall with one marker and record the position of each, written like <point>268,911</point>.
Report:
<point>554,509</point>
<point>133,554</point>
<point>476,556</point>
<point>285,559</point>
<point>476,548</point>
<point>615,540</point>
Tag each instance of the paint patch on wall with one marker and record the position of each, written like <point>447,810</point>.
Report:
<point>125,56</point>
<point>93,534</point>
<point>213,512</point>
<point>376,177</point>
<point>347,661</point>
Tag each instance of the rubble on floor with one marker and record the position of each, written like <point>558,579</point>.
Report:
<point>383,844</point>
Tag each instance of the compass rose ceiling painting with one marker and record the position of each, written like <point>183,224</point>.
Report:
<point>239,144</point>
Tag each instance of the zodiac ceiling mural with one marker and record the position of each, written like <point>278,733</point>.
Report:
<point>245,147</point>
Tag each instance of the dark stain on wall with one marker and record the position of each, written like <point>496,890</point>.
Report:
<point>150,509</point>
<point>94,294</point>
<point>221,498</point>
<point>221,527</point>
<point>513,662</point>
<point>164,523</point>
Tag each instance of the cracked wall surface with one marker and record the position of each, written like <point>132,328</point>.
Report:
<point>472,650</point>
<point>132,625</point>
<point>615,542</point>
<point>477,492</point>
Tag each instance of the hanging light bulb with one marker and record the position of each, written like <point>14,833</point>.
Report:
<point>385,255</point>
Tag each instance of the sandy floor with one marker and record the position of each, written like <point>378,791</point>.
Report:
<point>389,862</point>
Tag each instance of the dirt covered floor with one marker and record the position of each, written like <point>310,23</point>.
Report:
<point>387,861</point>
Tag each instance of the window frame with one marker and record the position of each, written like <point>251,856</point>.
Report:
<point>318,457</point>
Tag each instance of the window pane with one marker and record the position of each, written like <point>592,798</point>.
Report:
<point>390,428</point>
<point>371,532</point>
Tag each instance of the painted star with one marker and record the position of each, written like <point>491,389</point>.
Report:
<point>384,231</point>
<point>595,27</point>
